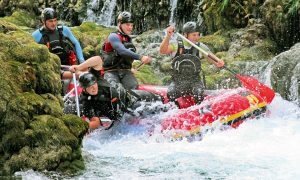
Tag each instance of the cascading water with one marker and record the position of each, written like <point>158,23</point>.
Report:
<point>103,16</point>
<point>173,4</point>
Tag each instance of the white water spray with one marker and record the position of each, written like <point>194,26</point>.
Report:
<point>261,148</point>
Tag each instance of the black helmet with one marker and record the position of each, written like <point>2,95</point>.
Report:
<point>48,13</point>
<point>190,27</point>
<point>86,80</point>
<point>125,17</point>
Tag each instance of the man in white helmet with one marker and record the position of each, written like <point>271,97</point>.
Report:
<point>186,63</point>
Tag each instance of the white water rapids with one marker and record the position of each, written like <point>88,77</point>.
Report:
<point>263,148</point>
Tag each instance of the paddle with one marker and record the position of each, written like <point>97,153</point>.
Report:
<point>248,82</point>
<point>76,95</point>
<point>139,66</point>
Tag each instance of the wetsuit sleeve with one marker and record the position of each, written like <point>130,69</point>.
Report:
<point>37,36</point>
<point>120,48</point>
<point>67,33</point>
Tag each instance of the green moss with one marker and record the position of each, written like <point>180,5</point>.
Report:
<point>216,42</point>
<point>33,132</point>
<point>22,18</point>
<point>293,7</point>
<point>146,75</point>
<point>214,19</point>
<point>91,35</point>
<point>6,27</point>
<point>38,158</point>
<point>89,51</point>
<point>32,53</point>
<point>52,105</point>
<point>48,76</point>
<point>50,131</point>
<point>13,139</point>
<point>76,125</point>
<point>262,51</point>
<point>50,144</point>
<point>18,117</point>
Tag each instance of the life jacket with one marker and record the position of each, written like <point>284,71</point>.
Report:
<point>186,63</point>
<point>60,45</point>
<point>108,102</point>
<point>111,58</point>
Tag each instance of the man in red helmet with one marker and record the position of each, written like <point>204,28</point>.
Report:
<point>119,53</point>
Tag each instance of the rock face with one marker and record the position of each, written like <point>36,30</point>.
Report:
<point>285,74</point>
<point>34,132</point>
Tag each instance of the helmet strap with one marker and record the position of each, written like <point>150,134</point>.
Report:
<point>121,30</point>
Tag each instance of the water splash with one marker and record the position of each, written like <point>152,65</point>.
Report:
<point>264,148</point>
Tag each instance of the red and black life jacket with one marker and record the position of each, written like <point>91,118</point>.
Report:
<point>60,45</point>
<point>111,58</point>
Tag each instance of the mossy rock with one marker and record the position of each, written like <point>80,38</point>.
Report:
<point>75,125</point>
<point>49,142</point>
<point>146,75</point>
<point>90,36</point>
<point>23,18</point>
<point>216,42</point>
<point>34,133</point>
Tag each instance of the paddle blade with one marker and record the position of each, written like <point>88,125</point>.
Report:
<point>254,85</point>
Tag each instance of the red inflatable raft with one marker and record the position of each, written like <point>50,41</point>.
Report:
<point>229,107</point>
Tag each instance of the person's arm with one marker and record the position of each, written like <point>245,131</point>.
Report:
<point>94,123</point>
<point>94,62</point>
<point>67,32</point>
<point>219,64</point>
<point>116,43</point>
<point>122,51</point>
<point>165,47</point>
<point>37,36</point>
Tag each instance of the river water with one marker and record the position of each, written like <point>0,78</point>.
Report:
<point>263,148</point>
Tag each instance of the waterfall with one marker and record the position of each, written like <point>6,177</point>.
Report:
<point>105,15</point>
<point>173,4</point>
